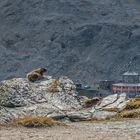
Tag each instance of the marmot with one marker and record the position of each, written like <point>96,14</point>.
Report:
<point>36,74</point>
<point>91,102</point>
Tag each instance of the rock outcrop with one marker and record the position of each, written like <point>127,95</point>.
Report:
<point>114,102</point>
<point>19,97</point>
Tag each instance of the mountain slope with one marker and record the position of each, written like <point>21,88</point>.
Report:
<point>84,39</point>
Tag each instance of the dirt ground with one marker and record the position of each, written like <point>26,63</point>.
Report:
<point>118,130</point>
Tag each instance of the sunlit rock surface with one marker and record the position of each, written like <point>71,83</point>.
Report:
<point>19,97</point>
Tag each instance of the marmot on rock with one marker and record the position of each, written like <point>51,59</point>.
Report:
<point>36,74</point>
<point>92,102</point>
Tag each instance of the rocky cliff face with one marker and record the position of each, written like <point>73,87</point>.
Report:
<point>83,39</point>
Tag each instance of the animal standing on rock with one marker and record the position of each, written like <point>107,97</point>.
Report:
<point>36,74</point>
<point>91,102</point>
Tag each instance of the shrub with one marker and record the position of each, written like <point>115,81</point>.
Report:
<point>129,114</point>
<point>133,104</point>
<point>36,121</point>
<point>54,86</point>
<point>110,109</point>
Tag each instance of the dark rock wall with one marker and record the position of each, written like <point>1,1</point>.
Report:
<point>84,39</point>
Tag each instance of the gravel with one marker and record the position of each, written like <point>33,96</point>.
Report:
<point>119,130</point>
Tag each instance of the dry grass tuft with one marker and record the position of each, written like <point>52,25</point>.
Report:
<point>36,121</point>
<point>54,86</point>
<point>2,124</point>
<point>110,109</point>
<point>129,114</point>
<point>133,104</point>
<point>132,109</point>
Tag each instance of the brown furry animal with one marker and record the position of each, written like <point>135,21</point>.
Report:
<point>91,102</point>
<point>36,74</point>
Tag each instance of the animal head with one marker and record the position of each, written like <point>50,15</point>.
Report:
<point>40,71</point>
<point>43,69</point>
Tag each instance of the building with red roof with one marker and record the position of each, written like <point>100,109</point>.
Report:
<point>130,84</point>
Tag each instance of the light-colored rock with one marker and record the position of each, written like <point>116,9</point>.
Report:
<point>119,104</point>
<point>20,92</point>
<point>79,115</point>
<point>122,106</point>
<point>66,83</point>
<point>7,114</point>
<point>107,101</point>
<point>100,115</point>
<point>18,96</point>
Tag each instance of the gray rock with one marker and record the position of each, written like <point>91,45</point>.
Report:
<point>67,84</point>
<point>8,114</point>
<point>79,115</point>
<point>100,115</point>
<point>18,96</point>
<point>58,115</point>
<point>115,101</point>
<point>120,103</point>
<point>20,92</point>
<point>108,100</point>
